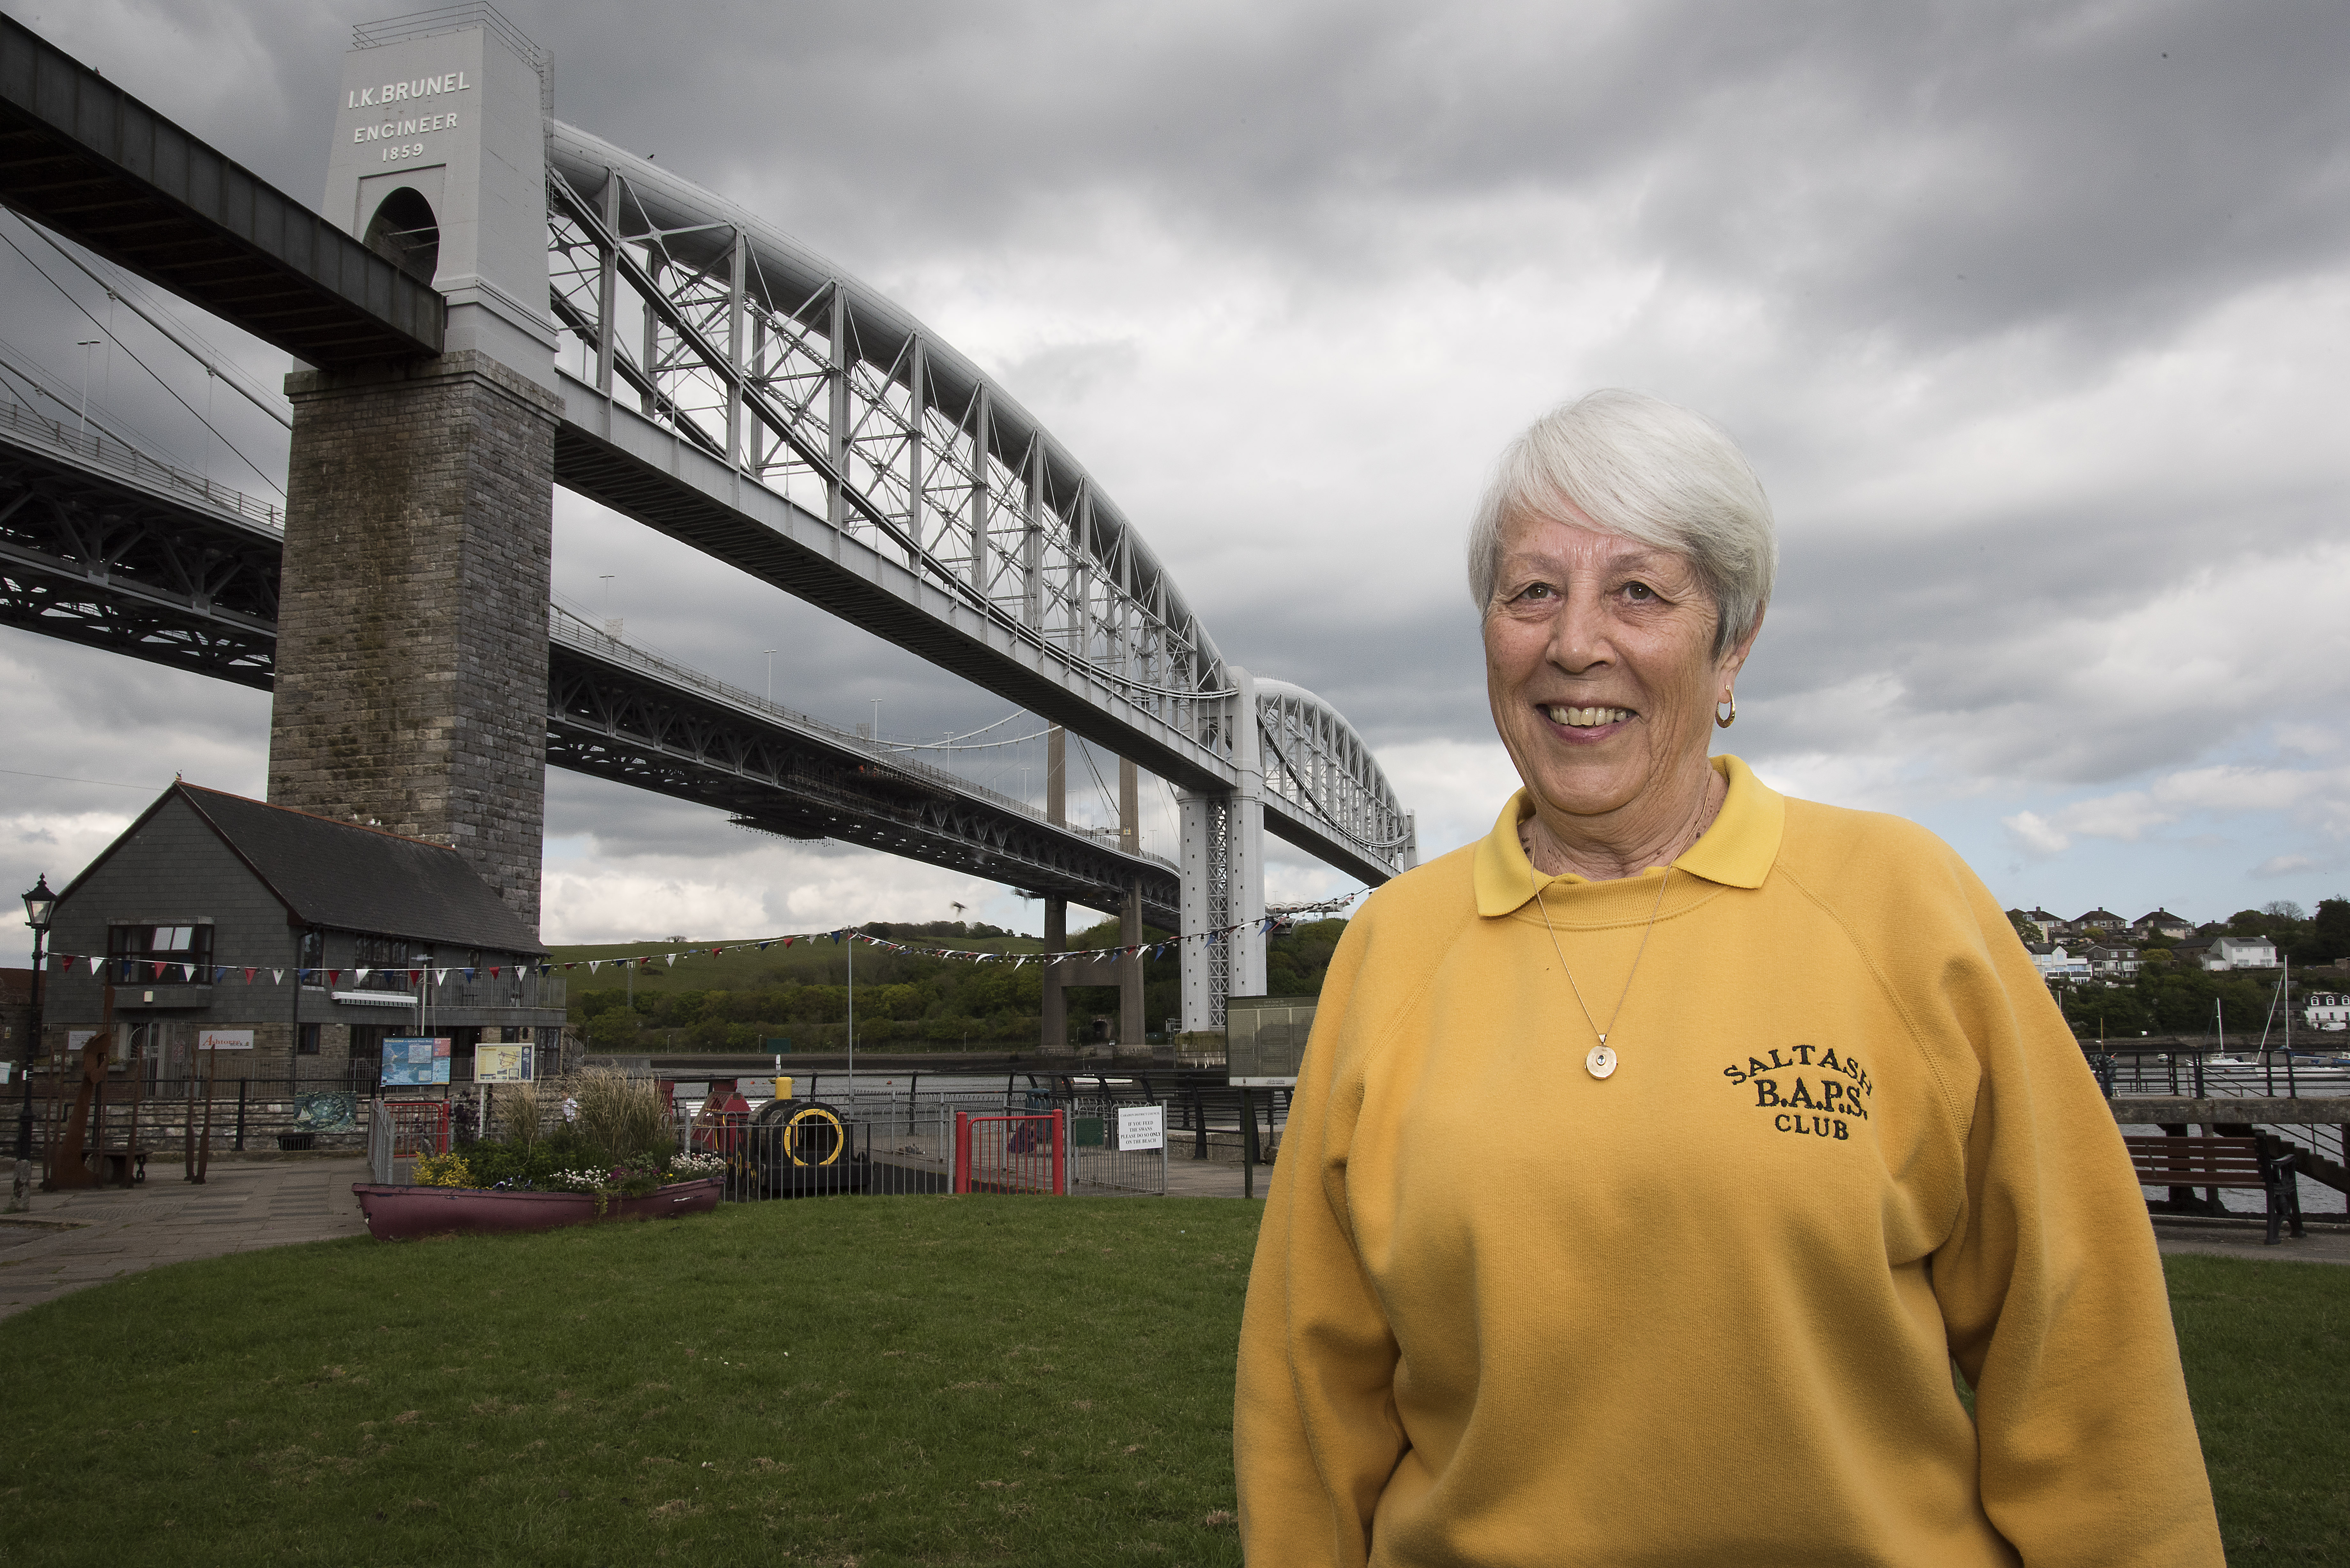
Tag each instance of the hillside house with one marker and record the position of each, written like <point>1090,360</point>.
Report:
<point>2240,952</point>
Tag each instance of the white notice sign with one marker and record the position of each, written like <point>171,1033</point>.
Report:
<point>1141,1127</point>
<point>225,1040</point>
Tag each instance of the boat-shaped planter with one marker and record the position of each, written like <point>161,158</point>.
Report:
<point>404,1213</point>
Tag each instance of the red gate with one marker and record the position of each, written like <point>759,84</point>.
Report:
<point>418,1127</point>
<point>1012,1153</point>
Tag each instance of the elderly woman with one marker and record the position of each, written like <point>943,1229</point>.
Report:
<point>1656,1157</point>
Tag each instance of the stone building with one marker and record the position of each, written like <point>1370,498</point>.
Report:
<point>298,942</point>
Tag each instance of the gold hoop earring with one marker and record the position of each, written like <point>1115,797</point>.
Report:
<point>1722,721</point>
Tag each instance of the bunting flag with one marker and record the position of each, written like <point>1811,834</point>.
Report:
<point>468,974</point>
<point>189,973</point>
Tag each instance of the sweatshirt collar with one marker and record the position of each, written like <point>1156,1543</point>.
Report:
<point>1736,851</point>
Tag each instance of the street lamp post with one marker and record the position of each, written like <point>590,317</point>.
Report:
<point>39,905</point>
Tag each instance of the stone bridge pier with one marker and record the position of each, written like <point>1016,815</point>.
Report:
<point>412,620</point>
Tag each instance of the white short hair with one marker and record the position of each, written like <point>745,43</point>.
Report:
<point>1650,471</point>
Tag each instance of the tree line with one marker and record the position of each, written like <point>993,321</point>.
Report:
<point>907,1001</point>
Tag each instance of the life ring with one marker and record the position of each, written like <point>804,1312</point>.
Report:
<point>805,1132</point>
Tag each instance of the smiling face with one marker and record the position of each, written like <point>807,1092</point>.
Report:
<point>1599,667</point>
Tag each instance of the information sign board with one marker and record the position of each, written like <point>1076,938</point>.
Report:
<point>415,1059</point>
<point>225,1040</point>
<point>1141,1127</point>
<point>502,1065</point>
<point>1264,1039</point>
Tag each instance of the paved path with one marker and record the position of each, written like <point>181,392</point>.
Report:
<point>1188,1177</point>
<point>2323,1244</point>
<point>90,1235</point>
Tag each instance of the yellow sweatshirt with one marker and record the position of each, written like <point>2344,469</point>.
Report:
<point>1703,1312</point>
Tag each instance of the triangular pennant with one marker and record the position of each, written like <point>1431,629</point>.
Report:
<point>363,973</point>
<point>248,977</point>
<point>416,977</point>
<point>592,963</point>
<point>440,977</point>
<point>789,940</point>
<point>277,977</point>
<point>334,977</point>
<point>159,972</point>
<point>469,976</point>
<point>493,971</point>
<point>673,960</point>
<point>765,946</point>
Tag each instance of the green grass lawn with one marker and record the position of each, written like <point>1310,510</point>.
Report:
<point>2267,1347</point>
<point>892,1380</point>
<point>898,1380</point>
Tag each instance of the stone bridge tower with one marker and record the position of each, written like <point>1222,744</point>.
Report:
<point>412,672</point>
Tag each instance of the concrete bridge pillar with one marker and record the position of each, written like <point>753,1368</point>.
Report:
<point>1124,972</point>
<point>1223,867</point>
<point>1055,1005</point>
<point>412,651</point>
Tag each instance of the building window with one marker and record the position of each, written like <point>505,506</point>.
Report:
<point>387,961</point>
<point>306,1043</point>
<point>313,950</point>
<point>132,952</point>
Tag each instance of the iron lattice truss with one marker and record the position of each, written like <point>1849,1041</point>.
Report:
<point>769,361</point>
<point>103,546</point>
<point>1317,764</point>
<point>745,345</point>
<point>618,714</point>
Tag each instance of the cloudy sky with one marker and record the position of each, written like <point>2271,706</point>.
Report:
<point>2034,319</point>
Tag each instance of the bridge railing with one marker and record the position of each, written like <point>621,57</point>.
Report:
<point>93,448</point>
<point>570,629</point>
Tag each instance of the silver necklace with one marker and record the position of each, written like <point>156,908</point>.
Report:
<point>1601,1062</point>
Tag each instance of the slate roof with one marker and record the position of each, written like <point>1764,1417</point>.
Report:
<point>353,878</point>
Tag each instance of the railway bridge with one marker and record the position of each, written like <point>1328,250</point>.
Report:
<point>490,303</point>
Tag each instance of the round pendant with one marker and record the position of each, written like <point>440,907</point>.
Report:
<point>1602,1061</point>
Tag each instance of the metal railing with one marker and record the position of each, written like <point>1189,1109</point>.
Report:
<point>2207,1071</point>
<point>901,1143</point>
<point>92,449</point>
<point>569,628</point>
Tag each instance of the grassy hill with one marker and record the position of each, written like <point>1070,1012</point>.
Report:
<point>739,998</point>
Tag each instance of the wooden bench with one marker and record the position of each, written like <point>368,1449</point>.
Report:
<point>2214,1162</point>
